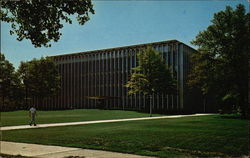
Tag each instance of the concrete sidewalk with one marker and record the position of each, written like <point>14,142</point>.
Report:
<point>92,122</point>
<point>49,151</point>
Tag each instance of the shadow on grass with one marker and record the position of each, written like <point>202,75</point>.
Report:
<point>230,116</point>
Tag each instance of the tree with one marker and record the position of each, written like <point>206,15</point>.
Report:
<point>151,76</point>
<point>10,87</point>
<point>40,21</point>
<point>40,77</point>
<point>221,63</point>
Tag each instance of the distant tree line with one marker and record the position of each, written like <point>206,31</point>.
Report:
<point>36,78</point>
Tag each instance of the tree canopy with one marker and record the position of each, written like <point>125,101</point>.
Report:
<point>221,63</point>
<point>40,77</point>
<point>151,76</point>
<point>40,21</point>
<point>10,86</point>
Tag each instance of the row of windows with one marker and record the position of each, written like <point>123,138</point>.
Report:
<point>90,76</point>
<point>114,64</point>
<point>129,102</point>
<point>121,53</point>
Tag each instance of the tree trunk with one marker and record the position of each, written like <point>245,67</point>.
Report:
<point>150,106</point>
<point>243,105</point>
<point>204,103</point>
<point>3,102</point>
<point>25,95</point>
<point>243,99</point>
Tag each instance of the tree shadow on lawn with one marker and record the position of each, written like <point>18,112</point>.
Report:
<point>230,116</point>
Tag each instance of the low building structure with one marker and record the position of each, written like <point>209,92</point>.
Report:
<point>96,77</point>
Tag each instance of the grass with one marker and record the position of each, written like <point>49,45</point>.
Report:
<point>206,136</point>
<point>22,117</point>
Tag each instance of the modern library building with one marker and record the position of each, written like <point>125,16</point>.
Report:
<point>96,79</point>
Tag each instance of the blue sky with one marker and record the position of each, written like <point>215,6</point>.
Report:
<point>123,23</point>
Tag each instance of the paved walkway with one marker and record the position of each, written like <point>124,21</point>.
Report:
<point>92,122</point>
<point>48,151</point>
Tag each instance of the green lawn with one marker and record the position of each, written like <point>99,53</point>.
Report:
<point>22,117</point>
<point>191,136</point>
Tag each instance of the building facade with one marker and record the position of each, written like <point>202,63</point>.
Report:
<point>92,78</point>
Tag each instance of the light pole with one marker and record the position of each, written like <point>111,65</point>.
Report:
<point>150,111</point>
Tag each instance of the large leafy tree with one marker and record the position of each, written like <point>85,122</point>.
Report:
<point>40,20</point>
<point>40,77</point>
<point>10,86</point>
<point>151,76</point>
<point>221,63</point>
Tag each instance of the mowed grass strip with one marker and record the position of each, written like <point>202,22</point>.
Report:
<point>22,117</point>
<point>191,136</point>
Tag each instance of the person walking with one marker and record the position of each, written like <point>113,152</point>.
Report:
<point>32,114</point>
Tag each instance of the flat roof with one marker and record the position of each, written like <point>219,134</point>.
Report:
<point>121,47</point>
